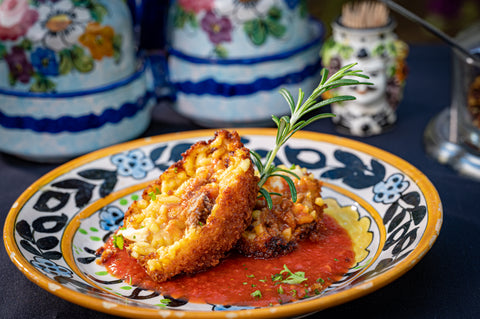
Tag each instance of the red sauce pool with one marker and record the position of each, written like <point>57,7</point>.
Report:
<point>244,281</point>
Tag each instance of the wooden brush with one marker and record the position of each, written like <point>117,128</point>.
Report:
<point>364,14</point>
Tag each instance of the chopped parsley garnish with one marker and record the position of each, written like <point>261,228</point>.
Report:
<point>293,278</point>
<point>152,195</point>
<point>277,277</point>
<point>256,294</point>
<point>164,302</point>
<point>118,241</point>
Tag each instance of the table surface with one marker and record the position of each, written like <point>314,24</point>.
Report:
<point>444,284</point>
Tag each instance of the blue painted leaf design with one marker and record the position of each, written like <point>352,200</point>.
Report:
<point>336,173</point>
<point>45,198</point>
<point>177,151</point>
<point>24,230</point>
<point>174,302</point>
<point>47,243</point>
<point>52,255</point>
<point>412,198</point>
<point>404,242</point>
<point>293,157</point>
<point>390,212</point>
<point>156,153</point>
<point>350,160</point>
<point>137,296</point>
<point>355,173</point>
<point>396,220</point>
<point>84,190</point>
<point>109,179</point>
<point>86,260</point>
<point>418,214</point>
<point>50,224</point>
<point>29,247</point>
<point>244,140</point>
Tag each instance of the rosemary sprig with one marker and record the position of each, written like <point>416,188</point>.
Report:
<point>288,125</point>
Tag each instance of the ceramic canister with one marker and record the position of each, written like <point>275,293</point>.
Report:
<point>381,56</point>
<point>228,58</point>
<point>70,78</point>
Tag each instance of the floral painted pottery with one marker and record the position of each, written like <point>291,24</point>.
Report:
<point>228,59</point>
<point>70,80</point>
<point>390,209</point>
<point>381,56</point>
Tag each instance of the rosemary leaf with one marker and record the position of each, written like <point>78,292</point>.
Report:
<point>288,125</point>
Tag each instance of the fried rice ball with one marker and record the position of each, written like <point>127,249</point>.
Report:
<point>195,212</point>
<point>277,231</point>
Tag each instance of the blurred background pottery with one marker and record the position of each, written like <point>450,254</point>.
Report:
<point>228,59</point>
<point>70,78</point>
<point>381,56</point>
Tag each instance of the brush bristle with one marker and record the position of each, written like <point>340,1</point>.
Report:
<point>364,14</point>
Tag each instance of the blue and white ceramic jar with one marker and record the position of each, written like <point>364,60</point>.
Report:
<point>228,59</point>
<point>70,79</point>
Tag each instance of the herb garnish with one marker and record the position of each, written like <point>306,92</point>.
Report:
<point>256,294</point>
<point>118,241</point>
<point>293,278</point>
<point>152,195</point>
<point>277,277</point>
<point>164,303</point>
<point>288,125</point>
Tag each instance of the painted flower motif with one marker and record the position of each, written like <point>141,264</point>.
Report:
<point>50,267</point>
<point>20,68</point>
<point>59,24</point>
<point>134,164</point>
<point>15,19</point>
<point>244,10</point>
<point>219,29</point>
<point>111,217</point>
<point>354,172</point>
<point>45,61</point>
<point>99,40</point>
<point>196,5</point>
<point>390,191</point>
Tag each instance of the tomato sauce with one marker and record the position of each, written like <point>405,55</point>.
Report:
<point>244,281</point>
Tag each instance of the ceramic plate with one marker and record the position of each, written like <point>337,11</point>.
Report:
<point>54,228</point>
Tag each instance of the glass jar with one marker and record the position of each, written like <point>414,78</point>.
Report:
<point>466,90</point>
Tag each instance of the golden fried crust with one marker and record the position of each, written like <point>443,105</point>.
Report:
<point>277,231</point>
<point>195,212</point>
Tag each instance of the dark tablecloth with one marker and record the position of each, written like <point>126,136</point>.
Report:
<point>444,284</point>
